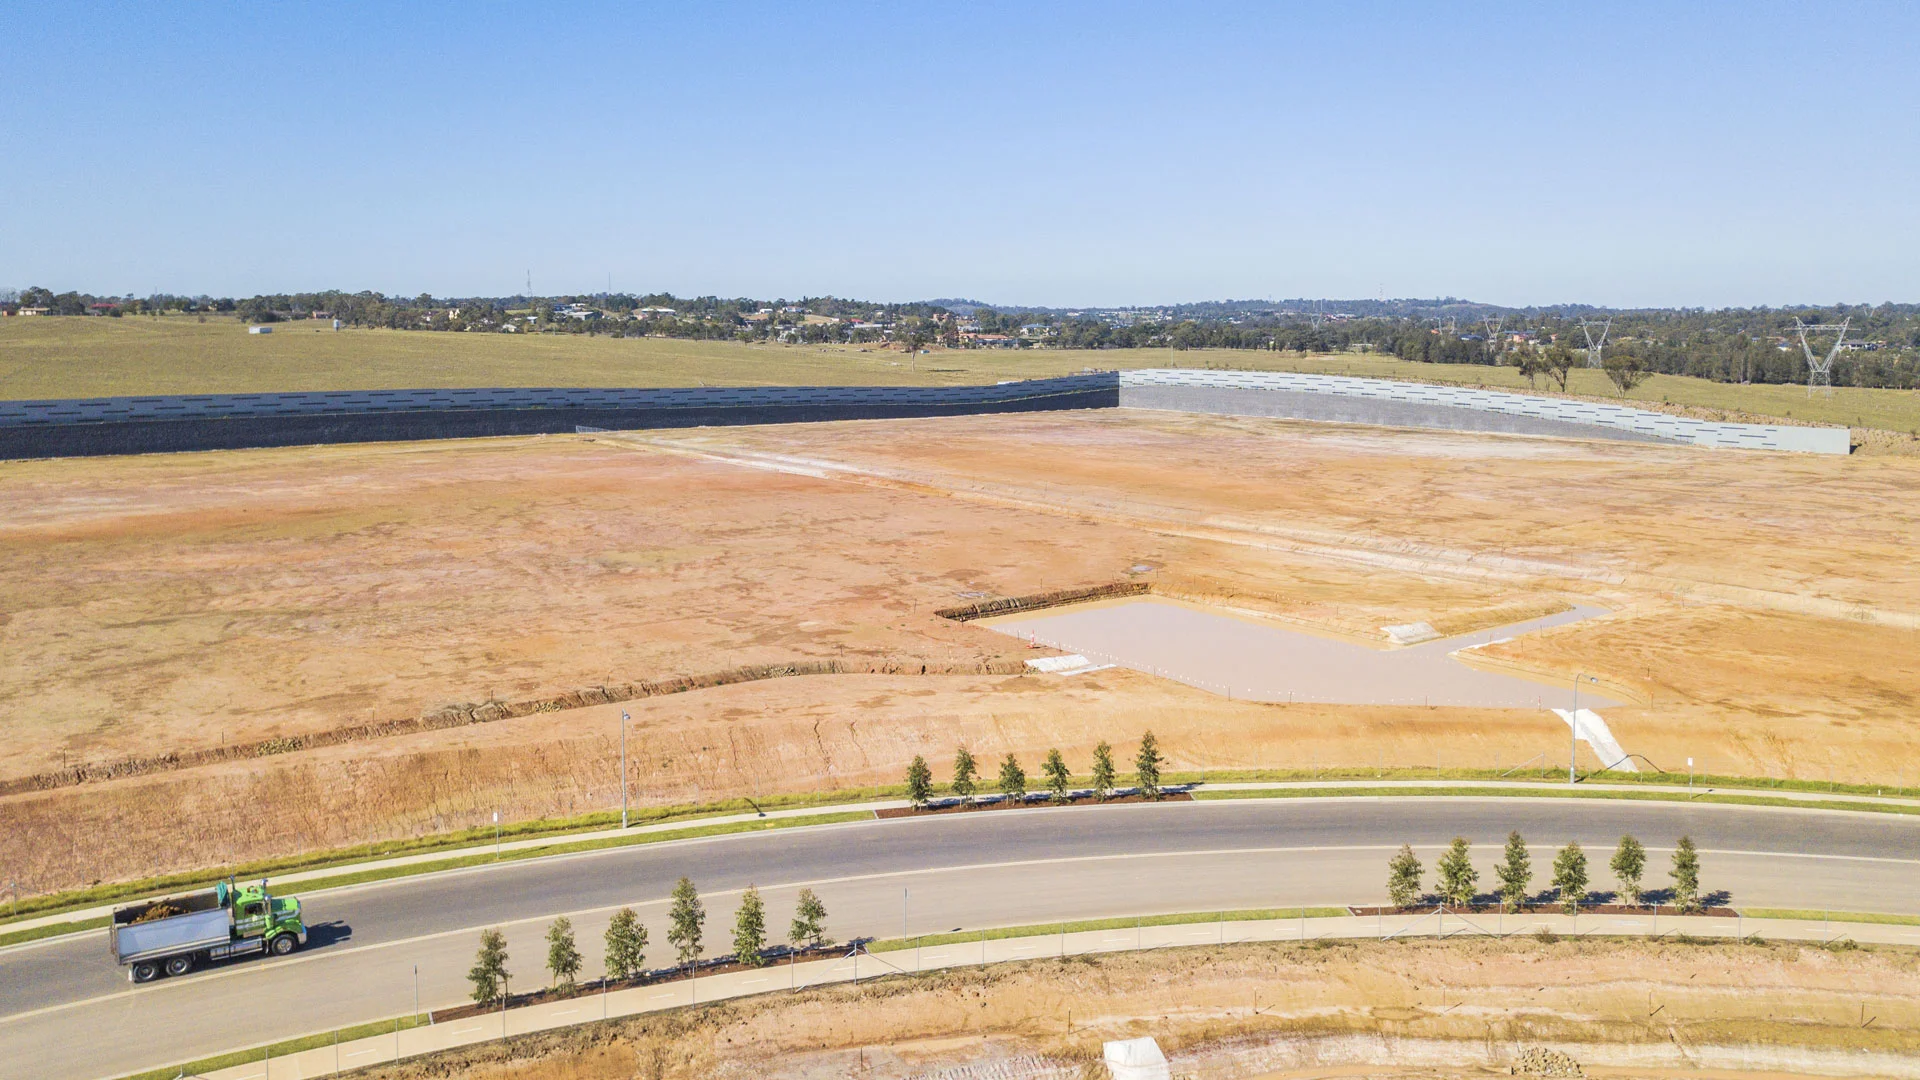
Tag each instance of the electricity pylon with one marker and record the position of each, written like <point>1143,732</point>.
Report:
<point>1820,370</point>
<point>1594,348</point>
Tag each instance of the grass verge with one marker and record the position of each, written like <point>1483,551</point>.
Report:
<point>1554,793</point>
<point>1084,925</point>
<point>1700,780</point>
<point>19,937</point>
<point>1832,916</point>
<point>281,1049</point>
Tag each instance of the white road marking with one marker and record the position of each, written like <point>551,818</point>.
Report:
<point>361,1053</point>
<point>464,1030</point>
<point>568,1012</point>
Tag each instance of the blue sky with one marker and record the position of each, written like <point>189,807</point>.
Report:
<point>1659,154</point>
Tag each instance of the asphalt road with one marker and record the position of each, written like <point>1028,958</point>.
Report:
<point>66,1010</point>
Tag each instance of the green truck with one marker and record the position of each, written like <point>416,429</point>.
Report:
<point>177,933</point>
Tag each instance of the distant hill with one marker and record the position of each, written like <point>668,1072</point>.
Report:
<point>960,307</point>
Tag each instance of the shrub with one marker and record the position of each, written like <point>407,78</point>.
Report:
<point>750,929</point>
<point>964,771</point>
<point>1458,878</point>
<point>1570,877</point>
<point>626,945</point>
<point>919,782</point>
<point>1146,766</point>
<point>1686,875</point>
<point>1403,877</point>
<point>1629,862</point>
<point>1516,872</point>
<point>1013,781</point>
<point>1059,780</point>
<point>563,956</point>
<point>489,972</point>
<point>687,921</point>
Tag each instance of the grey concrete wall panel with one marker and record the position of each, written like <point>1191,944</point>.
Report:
<point>1354,400</point>
<point>1298,405</point>
<point>95,426</point>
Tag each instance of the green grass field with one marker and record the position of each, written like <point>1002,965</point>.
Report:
<point>83,357</point>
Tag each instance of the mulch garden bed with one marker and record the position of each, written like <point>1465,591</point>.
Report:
<point>776,957</point>
<point>1547,909</point>
<point>1034,802</point>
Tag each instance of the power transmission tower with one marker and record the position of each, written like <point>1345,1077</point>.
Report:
<point>1819,370</point>
<point>1493,333</point>
<point>1594,348</point>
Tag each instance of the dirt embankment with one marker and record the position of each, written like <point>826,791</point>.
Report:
<point>751,740</point>
<point>1414,1008</point>
<point>451,716</point>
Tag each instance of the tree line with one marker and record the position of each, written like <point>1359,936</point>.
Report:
<point>626,942</point>
<point>1457,883</point>
<point>1012,782</point>
<point>1743,345</point>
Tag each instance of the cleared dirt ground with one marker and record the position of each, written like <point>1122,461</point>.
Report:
<point>1362,1009</point>
<point>1764,611</point>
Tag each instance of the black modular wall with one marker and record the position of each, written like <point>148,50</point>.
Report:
<point>164,424</point>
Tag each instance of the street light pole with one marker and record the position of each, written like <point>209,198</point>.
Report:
<point>623,768</point>
<point>1573,724</point>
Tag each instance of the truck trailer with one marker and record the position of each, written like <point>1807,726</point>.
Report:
<point>176,933</point>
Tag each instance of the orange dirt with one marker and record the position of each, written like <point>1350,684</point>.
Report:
<point>1763,607</point>
<point>1466,1007</point>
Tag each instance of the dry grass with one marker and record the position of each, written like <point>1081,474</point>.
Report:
<point>173,602</point>
<point>1454,1008</point>
<point>81,357</point>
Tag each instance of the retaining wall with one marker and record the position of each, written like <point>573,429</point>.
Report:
<point>139,425</point>
<point>160,424</point>
<point>1351,400</point>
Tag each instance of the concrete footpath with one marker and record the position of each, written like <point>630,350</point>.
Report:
<point>425,860</point>
<point>400,1044</point>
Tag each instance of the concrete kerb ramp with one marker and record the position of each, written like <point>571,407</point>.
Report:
<point>1345,399</point>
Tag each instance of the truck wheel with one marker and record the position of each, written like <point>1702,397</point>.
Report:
<point>283,944</point>
<point>145,971</point>
<point>179,965</point>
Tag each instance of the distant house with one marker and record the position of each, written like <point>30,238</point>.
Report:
<point>102,308</point>
<point>31,311</point>
<point>259,329</point>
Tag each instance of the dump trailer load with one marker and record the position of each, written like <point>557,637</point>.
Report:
<point>176,933</point>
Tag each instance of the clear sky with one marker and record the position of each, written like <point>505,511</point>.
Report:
<point>1658,154</point>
